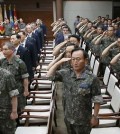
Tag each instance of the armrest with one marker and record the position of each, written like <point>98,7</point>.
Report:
<point>38,97</point>
<point>46,92</point>
<point>40,70</point>
<point>40,83</point>
<point>41,78</point>
<point>46,52</point>
<point>44,48</point>
<point>33,116</point>
<point>109,114</point>
<point>109,117</point>
<point>35,110</point>
<point>107,98</point>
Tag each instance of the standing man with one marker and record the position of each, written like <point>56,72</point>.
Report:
<point>77,21</point>
<point>8,102</point>
<point>81,90</point>
<point>63,35</point>
<point>21,25</point>
<point>22,53</point>
<point>18,68</point>
<point>8,28</point>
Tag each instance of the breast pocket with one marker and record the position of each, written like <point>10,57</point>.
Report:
<point>84,89</point>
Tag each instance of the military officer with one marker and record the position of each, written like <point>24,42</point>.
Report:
<point>81,90</point>
<point>8,102</point>
<point>18,68</point>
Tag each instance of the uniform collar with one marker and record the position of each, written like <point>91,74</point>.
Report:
<point>82,76</point>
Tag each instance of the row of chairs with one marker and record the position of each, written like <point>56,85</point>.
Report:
<point>109,114</point>
<point>39,114</point>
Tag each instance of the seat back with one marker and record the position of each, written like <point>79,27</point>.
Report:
<point>84,45</point>
<point>115,102</point>
<point>106,75</point>
<point>111,84</point>
<point>92,61</point>
<point>89,54</point>
<point>96,67</point>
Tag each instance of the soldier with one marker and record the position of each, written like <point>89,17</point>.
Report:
<point>112,50</point>
<point>8,102</point>
<point>103,42</point>
<point>74,39</point>
<point>115,64</point>
<point>80,90</point>
<point>106,38</point>
<point>8,28</point>
<point>76,22</point>
<point>18,68</point>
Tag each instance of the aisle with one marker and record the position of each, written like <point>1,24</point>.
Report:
<point>61,129</point>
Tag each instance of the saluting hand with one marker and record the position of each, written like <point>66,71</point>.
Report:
<point>65,59</point>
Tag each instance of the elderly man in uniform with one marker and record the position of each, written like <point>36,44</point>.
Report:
<point>8,102</point>
<point>81,89</point>
<point>112,50</point>
<point>18,68</point>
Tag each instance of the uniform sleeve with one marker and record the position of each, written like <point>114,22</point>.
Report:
<point>11,86</point>
<point>23,70</point>
<point>96,91</point>
<point>58,75</point>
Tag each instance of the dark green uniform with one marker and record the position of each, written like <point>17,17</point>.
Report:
<point>112,53</point>
<point>7,91</point>
<point>18,68</point>
<point>79,94</point>
<point>105,42</point>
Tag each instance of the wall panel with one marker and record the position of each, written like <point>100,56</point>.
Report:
<point>86,9</point>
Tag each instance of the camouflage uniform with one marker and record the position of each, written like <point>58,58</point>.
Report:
<point>116,69</point>
<point>79,93</point>
<point>106,41</point>
<point>112,53</point>
<point>7,91</point>
<point>18,68</point>
<point>94,48</point>
<point>64,66</point>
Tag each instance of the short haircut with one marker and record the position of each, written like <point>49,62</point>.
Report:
<point>23,32</point>
<point>65,27</point>
<point>78,16</point>
<point>9,45</point>
<point>18,36</point>
<point>75,36</point>
<point>85,54</point>
<point>100,26</point>
<point>67,45</point>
